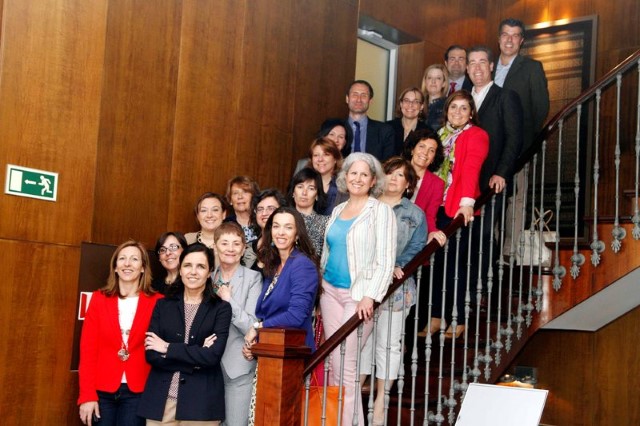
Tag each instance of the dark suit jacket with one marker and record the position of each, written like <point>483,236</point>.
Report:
<point>398,133</point>
<point>380,139</point>
<point>201,388</point>
<point>466,85</point>
<point>501,117</point>
<point>526,77</point>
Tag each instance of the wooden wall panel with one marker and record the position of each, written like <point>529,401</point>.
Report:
<point>591,377</point>
<point>49,104</point>
<point>206,124</point>
<point>36,329</point>
<point>411,66</point>
<point>137,120</point>
<point>326,53</point>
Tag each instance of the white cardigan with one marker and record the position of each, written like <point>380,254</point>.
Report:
<point>371,249</point>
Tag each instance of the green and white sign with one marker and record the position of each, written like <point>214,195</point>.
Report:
<point>33,183</point>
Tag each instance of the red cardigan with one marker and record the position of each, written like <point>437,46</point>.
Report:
<point>472,147</point>
<point>100,368</point>
<point>429,198</point>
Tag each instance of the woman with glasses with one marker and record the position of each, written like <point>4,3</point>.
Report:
<point>168,248</point>
<point>435,84</point>
<point>210,210</point>
<point>408,117</point>
<point>262,206</point>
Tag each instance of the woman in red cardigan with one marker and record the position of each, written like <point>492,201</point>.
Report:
<point>113,369</point>
<point>465,148</point>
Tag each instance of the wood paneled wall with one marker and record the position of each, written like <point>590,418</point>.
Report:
<point>141,106</point>
<point>592,377</point>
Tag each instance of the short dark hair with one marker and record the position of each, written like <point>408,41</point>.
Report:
<point>177,235</point>
<point>511,22</point>
<point>421,135</point>
<point>366,83</point>
<point>304,175</point>
<point>453,47</point>
<point>482,48</point>
<point>177,289</point>
<point>269,192</point>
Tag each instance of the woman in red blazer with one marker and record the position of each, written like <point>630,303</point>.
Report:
<point>113,369</point>
<point>465,148</point>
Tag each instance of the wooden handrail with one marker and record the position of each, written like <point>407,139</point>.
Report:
<point>348,327</point>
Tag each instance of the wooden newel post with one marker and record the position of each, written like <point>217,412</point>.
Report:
<point>281,358</point>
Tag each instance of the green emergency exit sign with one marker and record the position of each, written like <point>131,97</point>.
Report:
<point>33,183</point>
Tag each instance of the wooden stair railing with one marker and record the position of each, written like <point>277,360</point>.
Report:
<point>556,302</point>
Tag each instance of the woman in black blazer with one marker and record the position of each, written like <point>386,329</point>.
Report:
<point>184,345</point>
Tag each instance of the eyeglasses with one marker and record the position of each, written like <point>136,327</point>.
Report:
<point>268,209</point>
<point>415,102</point>
<point>172,248</point>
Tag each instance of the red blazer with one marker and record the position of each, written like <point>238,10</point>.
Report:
<point>429,198</point>
<point>100,368</point>
<point>472,147</point>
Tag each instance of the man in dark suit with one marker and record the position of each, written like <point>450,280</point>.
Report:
<point>455,59</point>
<point>370,136</point>
<point>500,115</point>
<point>526,77</point>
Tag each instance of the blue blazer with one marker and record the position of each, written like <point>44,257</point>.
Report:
<point>290,303</point>
<point>201,388</point>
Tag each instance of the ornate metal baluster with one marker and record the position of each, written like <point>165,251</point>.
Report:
<point>497,345</point>
<point>541,226</point>
<point>617,232</point>
<point>451,401</point>
<point>343,351</point>
<point>597,246</point>
<point>559,271</point>
<point>507,331</point>
<point>358,388</point>
<point>475,372</point>
<point>400,382</point>
<point>486,358</point>
<point>438,417</point>
<point>387,383</point>
<point>529,307</point>
<point>636,214</point>
<point>373,337</point>
<point>519,319</point>
<point>414,349</point>
<point>577,259</point>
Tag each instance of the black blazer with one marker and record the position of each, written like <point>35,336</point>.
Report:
<point>501,117</point>
<point>380,139</point>
<point>398,133</point>
<point>201,388</point>
<point>466,85</point>
<point>526,77</point>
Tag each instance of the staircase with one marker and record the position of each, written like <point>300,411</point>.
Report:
<point>506,307</point>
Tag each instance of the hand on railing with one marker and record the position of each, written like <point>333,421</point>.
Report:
<point>498,183</point>
<point>364,309</point>
<point>439,236</point>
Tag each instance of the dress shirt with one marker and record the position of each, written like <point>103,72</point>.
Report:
<point>478,97</point>
<point>364,121</point>
<point>501,72</point>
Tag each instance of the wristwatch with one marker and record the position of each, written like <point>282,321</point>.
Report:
<point>257,325</point>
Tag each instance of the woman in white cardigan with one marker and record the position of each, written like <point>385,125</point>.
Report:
<point>357,263</point>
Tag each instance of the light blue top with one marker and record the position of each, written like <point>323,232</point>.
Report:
<point>336,271</point>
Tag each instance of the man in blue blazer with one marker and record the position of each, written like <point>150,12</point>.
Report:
<point>368,135</point>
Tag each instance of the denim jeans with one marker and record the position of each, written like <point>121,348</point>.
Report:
<point>119,408</point>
